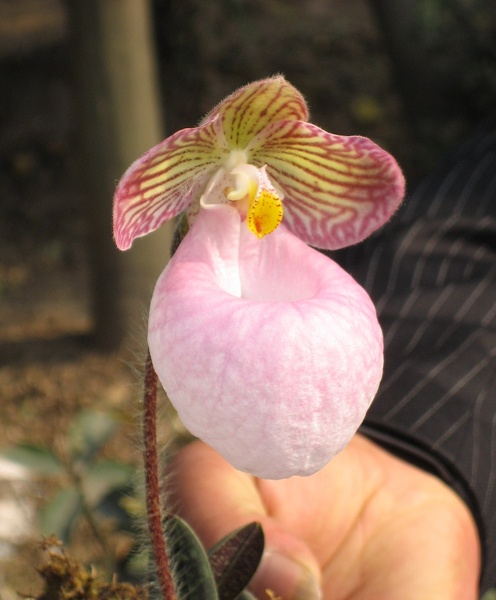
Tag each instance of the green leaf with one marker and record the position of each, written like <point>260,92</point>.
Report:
<point>189,561</point>
<point>490,594</point>
<point>104,477</point>
<point>138,562</point>
<point>235,559</point>
<point>38,459</point>
<point>59,516</point>
<point>89,432</point>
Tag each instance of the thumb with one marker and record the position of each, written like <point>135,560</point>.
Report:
<point>215,499</point>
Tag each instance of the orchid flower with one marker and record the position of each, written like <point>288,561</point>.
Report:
<point>269,351</point>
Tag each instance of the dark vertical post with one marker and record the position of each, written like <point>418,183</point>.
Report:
<point>119,119</point>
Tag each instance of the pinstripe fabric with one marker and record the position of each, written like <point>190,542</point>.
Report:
<point>432,275</point>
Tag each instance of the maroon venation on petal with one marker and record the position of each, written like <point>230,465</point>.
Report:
<point>337,189</point>
<point>163,182</point>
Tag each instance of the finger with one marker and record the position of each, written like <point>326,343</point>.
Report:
<point>215,499</point>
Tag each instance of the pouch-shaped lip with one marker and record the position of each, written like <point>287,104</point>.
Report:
<point>269,351</point>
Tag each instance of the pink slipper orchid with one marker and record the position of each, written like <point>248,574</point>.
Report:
<point>269,351</point>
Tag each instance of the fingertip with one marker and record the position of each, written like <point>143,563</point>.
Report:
<point>286,577</point>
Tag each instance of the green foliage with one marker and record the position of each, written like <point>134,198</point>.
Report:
<point>235,559</point>
<point>224,572</point>
<point>89,432</point>
<point>190,561</point>
<point>97,489</point>
<point>66,579</point>
<point>91,488</point>
<point>41,461</point>
<point>103,477</point>
<point>60,515</point>
<point>490,595</point>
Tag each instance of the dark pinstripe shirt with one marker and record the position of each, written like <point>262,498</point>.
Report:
<point>432,274</point>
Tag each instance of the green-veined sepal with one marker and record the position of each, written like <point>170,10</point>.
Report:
<point>246,112</point>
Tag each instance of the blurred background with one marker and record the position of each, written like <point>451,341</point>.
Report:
<point>85,87</point>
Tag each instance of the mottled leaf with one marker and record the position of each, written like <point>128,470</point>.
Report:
<point>235,559</point>
<point>189,561</point>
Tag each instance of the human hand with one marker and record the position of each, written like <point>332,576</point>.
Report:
<point>368,526</point>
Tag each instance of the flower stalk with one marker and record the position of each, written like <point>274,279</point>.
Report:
<point>153,501</point>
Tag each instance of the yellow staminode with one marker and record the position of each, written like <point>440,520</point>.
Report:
<point>264,213</point>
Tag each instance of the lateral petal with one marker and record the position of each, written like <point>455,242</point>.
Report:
<point>161,184</point>
<point>337,189</point>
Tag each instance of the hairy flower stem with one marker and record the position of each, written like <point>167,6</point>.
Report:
<point>153,504</point>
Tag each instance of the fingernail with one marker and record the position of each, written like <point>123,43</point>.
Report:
<point>286,578</point>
